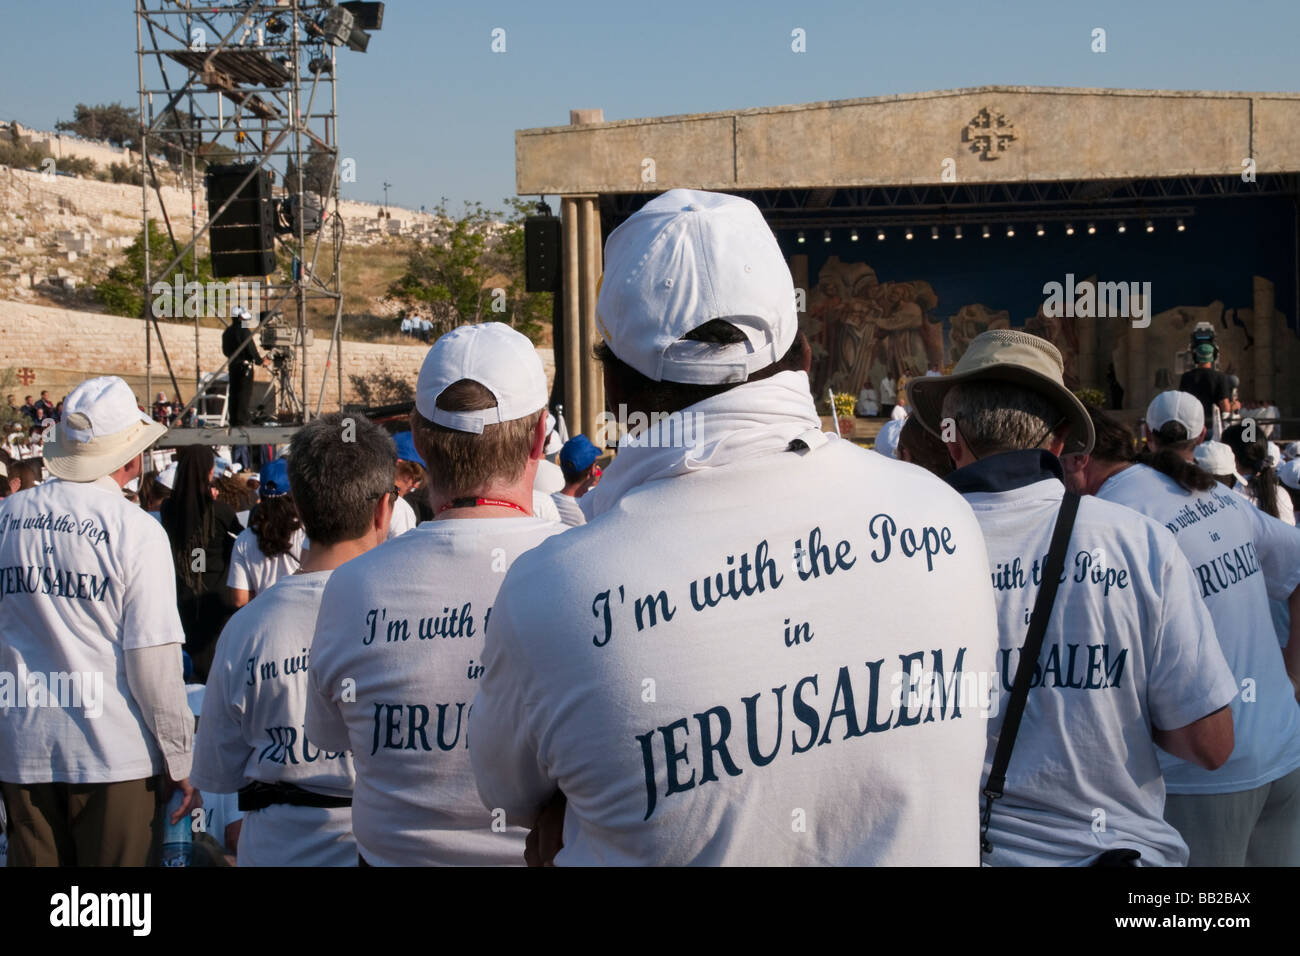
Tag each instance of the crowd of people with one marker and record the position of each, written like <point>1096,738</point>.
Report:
<point>1015,634</point>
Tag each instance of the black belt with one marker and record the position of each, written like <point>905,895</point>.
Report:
<point>258,796</point>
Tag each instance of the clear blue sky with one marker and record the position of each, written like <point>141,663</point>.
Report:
<point>432,110</point>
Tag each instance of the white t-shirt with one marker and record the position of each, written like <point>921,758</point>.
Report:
<point>397,658</point>
<point>1241,558</point>
<point>252,729</point>
<point>84,576</point>
<point>1282,501</point>
<point>544,507</point>
<point>403,519</point>
<point>778,752</point>
<point>251,570</point>
<point>898,413</point>
<point>1130,646</point>
<point>219,809</point>
<point>567,508</point>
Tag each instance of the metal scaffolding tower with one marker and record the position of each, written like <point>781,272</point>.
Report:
<point>249,82</point>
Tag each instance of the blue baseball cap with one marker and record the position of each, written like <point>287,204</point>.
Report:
<point>274,480</point>
<point>406,448</point>
<point>577,454</point>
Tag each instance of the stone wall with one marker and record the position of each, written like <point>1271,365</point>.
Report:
<point>63,347</point>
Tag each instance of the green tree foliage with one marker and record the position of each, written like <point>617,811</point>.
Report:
<point>318,175</point>
<point>450,280</point>
<point>112,122</point>
<point>122,292</point>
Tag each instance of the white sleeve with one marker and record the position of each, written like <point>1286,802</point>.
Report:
<point>508,766</point>
<point>403,519</point>
<point>1277,545</point>
<point>1188,677</point>
<point>155,678</point>
<point>238,576</point>
<point>323,721</point>
<point>149,610</point>
<point>221,752</point>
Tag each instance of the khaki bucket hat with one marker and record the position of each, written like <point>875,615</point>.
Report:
<point>102,429</point>
<point>1014,357</point>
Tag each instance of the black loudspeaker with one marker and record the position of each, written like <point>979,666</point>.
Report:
<point>542,264</point>
<point>367,16</point>
<point>243,237</point>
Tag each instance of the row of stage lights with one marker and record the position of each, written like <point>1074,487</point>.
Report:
<point>985,232</point>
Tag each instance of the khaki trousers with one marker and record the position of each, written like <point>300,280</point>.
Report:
<point>91,824</point>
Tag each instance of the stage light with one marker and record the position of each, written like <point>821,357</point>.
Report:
<point>800,238</point>
<point>1151,226</point>
<point>1181,227</point>
<point>880,235</point>
<point>853,236</point>
<point>1039,230</point>
<point>956,232</point>
<point>336,26</point>
<point>985,232</point>
<point>1011,232</point>
<point>1121,227</point>
<point>908,234</point>
<point>934,232</point>
<point>1069,228</point>
<point>1092,229</point>
<point>826,236</point>
<point>318,65</point>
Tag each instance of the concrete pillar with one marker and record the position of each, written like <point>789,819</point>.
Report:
<point>584,392</point>
<point>572,357</point>
<point>1265,383</point>
<point>593,387</point>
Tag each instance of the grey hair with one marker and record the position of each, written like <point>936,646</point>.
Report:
<point>995,417</point>
<point>339,466</point>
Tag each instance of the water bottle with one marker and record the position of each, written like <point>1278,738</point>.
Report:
<point>178,838</point>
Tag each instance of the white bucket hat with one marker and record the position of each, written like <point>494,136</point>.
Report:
<point>685,258</point>
<point>102,429</point>
<point>497,357</point>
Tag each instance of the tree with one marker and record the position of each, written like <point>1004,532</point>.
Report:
<point>382,387</point>
<point>448,278</point>
<point>112,122</point>
<point>319,174</point>
<point>123,290</point>
<point>454,279</point>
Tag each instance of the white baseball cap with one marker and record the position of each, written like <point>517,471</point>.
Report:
<point>492,354</point>
<point>102,429</point>
<point>1216,458</point>
<point>553,440</point>
<point>1174,406</point>
<point>686,258</point>
<point>1289,474</point>
<point>167,477</point>
<point>1292,450</point>
<point>1273,454</point>
<point>887,439</point>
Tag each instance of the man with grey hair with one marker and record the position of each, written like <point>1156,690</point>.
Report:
<point>1129,660</point>
<point>296,793</point>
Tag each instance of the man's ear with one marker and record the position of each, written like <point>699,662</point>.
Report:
<point>538,451</point>
<point>383,516</point>
<point>1201,437</point>
<point>1057,444</point>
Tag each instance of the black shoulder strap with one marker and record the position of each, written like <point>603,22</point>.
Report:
<point>1028,661</point>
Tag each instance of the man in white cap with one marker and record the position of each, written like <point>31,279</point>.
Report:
<point>1128,662</point>
<point>399,642</point>
<point>1244,813</point>
<point>95,729</point>
<point>1215,458</point>
<point>692,669</point>
<point>295,791</point>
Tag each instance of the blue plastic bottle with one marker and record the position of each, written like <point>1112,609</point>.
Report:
<point>178,838</point>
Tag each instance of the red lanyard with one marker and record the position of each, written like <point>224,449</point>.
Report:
<point>476,502</point>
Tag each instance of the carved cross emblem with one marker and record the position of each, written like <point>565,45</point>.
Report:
<point>988,134</point>
<point>26,376</point>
